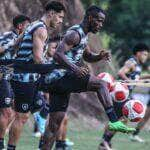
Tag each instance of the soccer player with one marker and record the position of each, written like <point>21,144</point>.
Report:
<point>130,71</point>
<point>31,51</point>
<point>7,40</point>
<point>41,116</point>
<point>75,77</point>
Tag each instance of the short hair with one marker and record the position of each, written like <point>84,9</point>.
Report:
<point>19,19</point>
<point>140,47</point>
<point>94,10</point>
<point>56,6</point>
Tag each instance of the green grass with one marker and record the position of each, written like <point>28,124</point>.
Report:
<point>85,138</point>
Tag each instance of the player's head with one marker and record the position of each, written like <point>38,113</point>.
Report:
<point>95,17</point>
<point>53,43</point>
<point>55,12</point>
<point>141,51</point>
<point>20,22</point>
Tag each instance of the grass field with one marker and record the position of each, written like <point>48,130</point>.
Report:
<point>85,139</point>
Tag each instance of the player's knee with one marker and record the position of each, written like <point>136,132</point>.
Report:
<point>65,120</point>
<point>22,118</point>
<point>102,85</point>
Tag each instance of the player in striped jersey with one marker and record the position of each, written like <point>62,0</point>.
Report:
<point>31,51</point>
<point>75,78</point>
<point>7,40</point>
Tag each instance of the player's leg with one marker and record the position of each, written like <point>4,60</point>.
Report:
<point>16,129</point>
<point>58,107</point>
<point>106,139</point>
<point>24,94</point>
<point>6,112</point>
<point>52,129</point>
<point>100,87</point>
<point>61,139</point>
<point>140,126</point>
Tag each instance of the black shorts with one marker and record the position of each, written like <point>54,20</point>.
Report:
<point>38,102</point>
<point>61,89</point>
<point>26,96</point>
<point>6,94</point>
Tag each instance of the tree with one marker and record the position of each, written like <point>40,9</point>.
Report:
<point>128,23</point>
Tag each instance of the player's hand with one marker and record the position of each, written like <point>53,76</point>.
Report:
<point>105,55</point>
<point>81,71</point>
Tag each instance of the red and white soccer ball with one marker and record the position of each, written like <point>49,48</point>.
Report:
<point>134,110</point>
<point>108,78</point>
<point>120,92</point>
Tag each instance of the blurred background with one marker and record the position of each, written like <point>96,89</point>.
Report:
<point>127,22</point>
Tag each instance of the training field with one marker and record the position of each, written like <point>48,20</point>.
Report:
<point>85,139</point>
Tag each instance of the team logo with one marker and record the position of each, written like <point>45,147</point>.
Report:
<point>25,106</point>
<point>39,102</point>
<point>7,100</point>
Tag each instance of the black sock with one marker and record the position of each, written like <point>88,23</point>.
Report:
<point>1,143</point>
<point>44,111</point>
<point>136,132</point>
<point>111,114</point>
<point>41,142</point>
<point>107,136</point>
<point>60,144</point>
<point>11,147</point>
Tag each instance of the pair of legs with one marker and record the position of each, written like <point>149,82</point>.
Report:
<point>25,94</point>
<point>6,112</point>
<point>61,90</point>
<point>143,122</point>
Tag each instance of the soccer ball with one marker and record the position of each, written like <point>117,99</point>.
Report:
<point>134,110</point>
<point>108,78</point>
<point>120,92</point>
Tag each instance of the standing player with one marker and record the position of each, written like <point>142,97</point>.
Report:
<point>130,71</point>
<point>31,51</point>
<point>75,77</point>
<point>7,40</point>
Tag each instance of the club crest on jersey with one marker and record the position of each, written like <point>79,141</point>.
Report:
<point>25,106</point>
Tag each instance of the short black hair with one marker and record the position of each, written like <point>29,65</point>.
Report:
<point>56,6</point>
<point>19,19</point>
<point>139,47</point>
<point>94,10</point>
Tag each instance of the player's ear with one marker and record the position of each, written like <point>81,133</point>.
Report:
<point>51,13</point>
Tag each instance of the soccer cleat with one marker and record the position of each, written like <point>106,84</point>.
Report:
<point>41,123</point>
<point>104,146</point>
<point>136,138</point>
<point>120,126</point>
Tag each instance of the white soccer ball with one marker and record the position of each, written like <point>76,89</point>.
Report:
<point>134,110</point>
<point>108,78</point>
<point>120,92</point>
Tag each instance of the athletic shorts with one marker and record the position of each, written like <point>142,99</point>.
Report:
<point>6,94</point>
<point>26,96</point>
<point>38,102</point>
<point>61,89</point>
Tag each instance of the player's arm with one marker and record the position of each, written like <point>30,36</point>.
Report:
<point>71,39</point>
<point>17,41</point>
<point>39,38</point>
<point>127,68</point>
<point>2,50</point>
<point>89,56</point>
